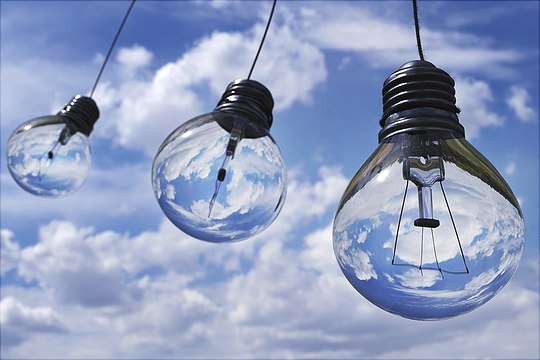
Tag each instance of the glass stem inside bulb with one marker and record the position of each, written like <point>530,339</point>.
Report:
<point>234,139</point>
<point>425,208</point>
<point>424,171</point>
<point>47,158</point>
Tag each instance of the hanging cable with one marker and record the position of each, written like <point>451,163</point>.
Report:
<point>112,46</point>
<point>417,30</point>
<point>263,38</point>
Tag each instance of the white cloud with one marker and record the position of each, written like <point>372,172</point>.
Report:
<point>109,189</point>
<point>18,320</point>
<point>289,67</point>
<point>9,251</point>
<point>474,98</point>
<point>67,265</point>
<point>50,86</point>
<point>133,59</point>
<point>519,101</point>
<point>281,293</point>
<point>510,168</point>
<point>333,26</point>
<point>133,285</point>
<point>162,294</point>
<point>479,333</point>
<point>386,40</point>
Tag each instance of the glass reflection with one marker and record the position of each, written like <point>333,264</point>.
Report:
<point>29,158</point>
<point>210,207</point>
<point>428,270</point>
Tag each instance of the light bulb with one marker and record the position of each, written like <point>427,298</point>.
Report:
<point>50,155</point>
<point>427,229</point>
<point>220,176</point>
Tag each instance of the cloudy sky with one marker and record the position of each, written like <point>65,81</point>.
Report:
<point>102,272</point>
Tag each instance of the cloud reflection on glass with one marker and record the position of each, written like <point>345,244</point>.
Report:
<point>428,273</point>
<point>48,176</point>
<point>250,196</point>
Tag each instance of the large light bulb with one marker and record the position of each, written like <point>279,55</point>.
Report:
<point>220,177</point>
<point>50,155</point>
<point>427,228</point>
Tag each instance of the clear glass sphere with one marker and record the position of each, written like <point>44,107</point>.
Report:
<point>433,271</point>
<point>31,167</point>
<point>184,175</point>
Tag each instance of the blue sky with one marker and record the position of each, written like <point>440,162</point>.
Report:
<point>102,273</point>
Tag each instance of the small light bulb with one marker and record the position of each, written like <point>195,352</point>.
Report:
<point>50,155</point>
<point>220,176</point>
<point>427,229</point>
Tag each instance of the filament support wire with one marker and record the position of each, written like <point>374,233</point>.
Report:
<point>421,267</point>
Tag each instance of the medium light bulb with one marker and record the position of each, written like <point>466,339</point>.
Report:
<point>49,156</point>
<point>220,176</point>
<point>427,229</point>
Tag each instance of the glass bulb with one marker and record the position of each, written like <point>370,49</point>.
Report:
<point>50,156</point>
<point>427,228</point>
<point>220,177</point>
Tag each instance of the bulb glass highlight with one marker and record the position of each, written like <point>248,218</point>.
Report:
<point>46,159</point>
<point>214,191</point>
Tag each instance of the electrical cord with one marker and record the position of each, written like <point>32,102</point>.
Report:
<point>112,46</point>
<point>263,38</point>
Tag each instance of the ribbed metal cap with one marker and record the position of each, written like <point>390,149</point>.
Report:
<point>81,113</point>
<point>419,97</point>
<point>251,99</point>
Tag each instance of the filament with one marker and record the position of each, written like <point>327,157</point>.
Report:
<point>435,252</point>
<point>455,229</point>
<point>421,266</point>
<point>422,253</point>
<point>399,221</point>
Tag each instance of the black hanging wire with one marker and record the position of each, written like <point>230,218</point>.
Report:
<point>263,38</point>
<point>112,46</point>
<point>417,30</point>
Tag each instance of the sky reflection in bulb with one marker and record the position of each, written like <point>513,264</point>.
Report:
<point>184,178</point>
<point>490,227</point>
<point>34,171</point>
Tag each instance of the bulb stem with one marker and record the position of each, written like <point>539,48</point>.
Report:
<point>46,160</point>
<point>424,171</point>
<point>235,137</point>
